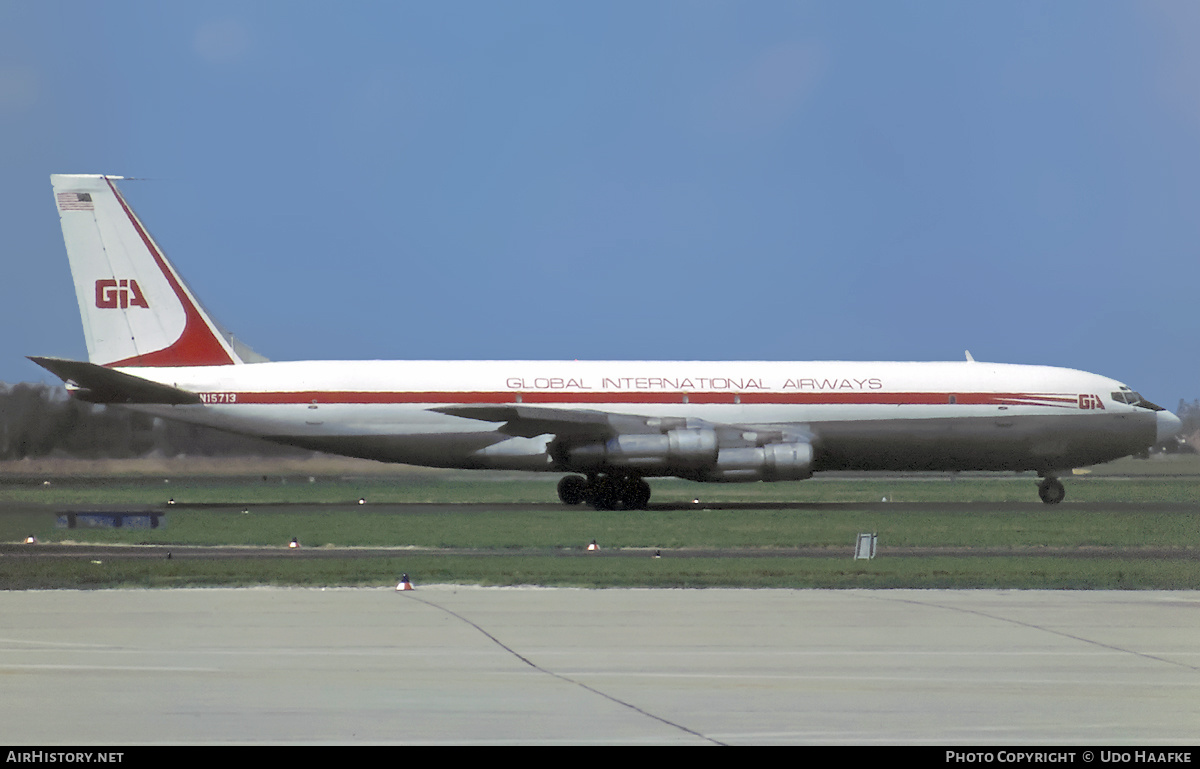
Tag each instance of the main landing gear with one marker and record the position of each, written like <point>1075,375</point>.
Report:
<point>1051,490</point>
<point>605,492</point>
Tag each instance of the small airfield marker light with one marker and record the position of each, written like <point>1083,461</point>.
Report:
<point>405,583</point>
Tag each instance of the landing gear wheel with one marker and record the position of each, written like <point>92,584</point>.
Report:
<point>572,490</point>
<point>607,492</point>
<point>604,493</point>
<point>1051,491</point>
<point>635,493</point>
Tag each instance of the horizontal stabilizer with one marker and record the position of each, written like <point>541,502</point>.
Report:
<point>97,384</point>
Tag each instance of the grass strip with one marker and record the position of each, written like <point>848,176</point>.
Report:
<point>908,526</point>
<point>635,570</point>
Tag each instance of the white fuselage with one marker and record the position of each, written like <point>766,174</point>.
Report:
<point>857,415</point>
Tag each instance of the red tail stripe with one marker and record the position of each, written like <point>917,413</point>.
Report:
<point>197,345</point>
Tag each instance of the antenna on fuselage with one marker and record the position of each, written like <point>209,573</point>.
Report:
<point>970,358</point>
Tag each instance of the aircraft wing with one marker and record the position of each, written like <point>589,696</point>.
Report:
<point>571,424</point>
<point>586,425</point>
<point>97,384</point>
<point>595,442</point>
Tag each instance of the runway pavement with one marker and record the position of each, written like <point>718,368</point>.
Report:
<point>467,665</point>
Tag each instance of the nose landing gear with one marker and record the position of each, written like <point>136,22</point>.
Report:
<point>1051,490</point>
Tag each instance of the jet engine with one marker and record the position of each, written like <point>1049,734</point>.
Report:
<point>772,462</point>
<point>692,453</point>
<point>648,452</point>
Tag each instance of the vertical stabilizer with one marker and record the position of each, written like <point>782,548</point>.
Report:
<point>136,309</point>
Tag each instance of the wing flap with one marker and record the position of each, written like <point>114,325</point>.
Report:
<point>568,424</point>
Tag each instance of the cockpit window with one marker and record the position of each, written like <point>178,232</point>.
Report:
<point>1125,395</point>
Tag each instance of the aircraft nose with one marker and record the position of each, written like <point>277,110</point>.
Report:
<point>1169,426</point>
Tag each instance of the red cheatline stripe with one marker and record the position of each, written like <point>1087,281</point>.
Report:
<point>558,397</point>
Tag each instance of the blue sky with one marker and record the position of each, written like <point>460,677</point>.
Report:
<point>628,180</point>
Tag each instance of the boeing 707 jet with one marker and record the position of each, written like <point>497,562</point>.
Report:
<point>607,425</point>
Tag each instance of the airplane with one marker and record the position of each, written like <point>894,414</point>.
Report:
<point>609,425</point>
